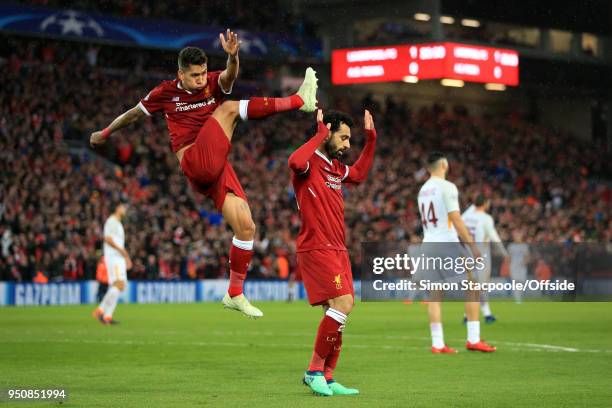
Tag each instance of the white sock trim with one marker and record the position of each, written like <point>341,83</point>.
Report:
<point>336,315</point>
<point>486,309</point>
<point>246,245</point>
<point>437,335</point>
<point>473,331</point>
<point>243,106</point>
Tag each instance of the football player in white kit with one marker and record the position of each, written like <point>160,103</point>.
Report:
<point>117,263</point>
<point>438,203</point>
<point>519,253</point>
<point>481,227</point>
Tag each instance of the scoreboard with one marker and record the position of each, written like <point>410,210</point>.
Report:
<point>425,61</point>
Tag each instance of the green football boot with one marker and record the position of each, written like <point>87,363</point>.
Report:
<point>316,381</point>
<point>339,389</point>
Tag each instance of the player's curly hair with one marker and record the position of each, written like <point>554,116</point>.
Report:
<point>336,118</point>
<point>191,56</point>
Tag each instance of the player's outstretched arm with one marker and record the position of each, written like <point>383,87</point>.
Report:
<point>121,121</point>
<point>358,172</point>
<point>298,161</point>
<point>231,45</point>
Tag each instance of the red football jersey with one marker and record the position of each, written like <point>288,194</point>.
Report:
<point>319,197</point>
<point>185,111</point>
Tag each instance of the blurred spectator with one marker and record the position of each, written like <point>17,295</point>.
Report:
<point>102,278</point>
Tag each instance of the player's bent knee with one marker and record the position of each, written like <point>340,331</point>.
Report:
<point>348,307</point>
<point>342,304</point>
<point>249,227</point>
<point>228,108</point>
<point>246,227</point>
<point>245,232</point>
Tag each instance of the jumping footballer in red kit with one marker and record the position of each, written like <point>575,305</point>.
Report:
<point>322,257</point>
<point>201,124</point>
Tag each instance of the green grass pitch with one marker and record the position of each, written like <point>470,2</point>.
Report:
<point>549,355</point>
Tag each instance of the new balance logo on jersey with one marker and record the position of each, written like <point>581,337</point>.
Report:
<point>176,99</point>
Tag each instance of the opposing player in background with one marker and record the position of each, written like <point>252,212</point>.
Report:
<point>117,261</point>
<point>519,260</point>
<point>481,227</point>
<point>293,290</point>
<point>201,124</point>
<point>438,203</point>
<point>322,257</point>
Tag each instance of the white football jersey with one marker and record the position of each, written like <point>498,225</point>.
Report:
<point>438,198</point>
<point>481,227</point>
<point>113,229</point>
<point>518,255</point>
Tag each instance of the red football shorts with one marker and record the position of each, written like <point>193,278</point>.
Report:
<point>326,274</point>
<point>206,166</point>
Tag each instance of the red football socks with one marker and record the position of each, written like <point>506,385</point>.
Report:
<point>328,341</point>
<point>240,256</point>
<point>332,358</point>
<point>324,343</point>
<point>260,107</point>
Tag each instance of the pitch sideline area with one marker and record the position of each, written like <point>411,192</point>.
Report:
<point>549,354</point>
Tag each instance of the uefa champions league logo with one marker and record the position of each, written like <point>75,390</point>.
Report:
<point>248,42</point>
<point>72,22</point>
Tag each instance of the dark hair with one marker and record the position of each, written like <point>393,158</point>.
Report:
<point>191,56</point>
<point>336,118</point>
<point>117,201</point>
<point>480,200</point>
<point>434,157</point>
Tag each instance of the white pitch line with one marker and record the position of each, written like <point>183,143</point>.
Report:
<point>548,347</point>
<point>544,346</point>
<point>514,346</point>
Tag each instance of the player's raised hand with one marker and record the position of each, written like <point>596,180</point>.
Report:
<point>368,122</point>
<point>230,42</point>
<point>97,139</point>
<point>320,120</point>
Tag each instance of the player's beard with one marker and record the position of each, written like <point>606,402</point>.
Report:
<point>333,152</point>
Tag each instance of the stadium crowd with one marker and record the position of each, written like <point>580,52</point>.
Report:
<point>543,183</point>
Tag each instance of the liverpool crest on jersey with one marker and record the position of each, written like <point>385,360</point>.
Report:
<point>338,281</point>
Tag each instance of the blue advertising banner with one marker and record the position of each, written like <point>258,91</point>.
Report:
<point>152,33</point>
<point>85,292</point>
<point>26,294</point>
<point>164,292</point>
